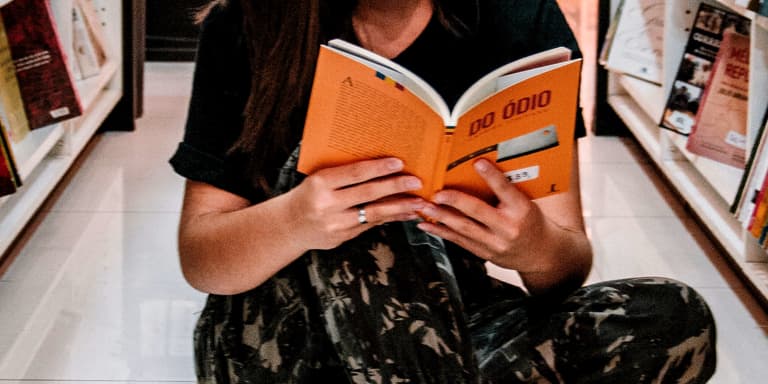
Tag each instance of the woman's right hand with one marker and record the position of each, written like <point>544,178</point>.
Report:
<point>324,208</point>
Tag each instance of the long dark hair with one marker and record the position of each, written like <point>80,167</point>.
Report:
<point>283,39</point>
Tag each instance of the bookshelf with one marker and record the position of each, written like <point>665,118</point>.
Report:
<point>706,186</point>
<point>46,154</point>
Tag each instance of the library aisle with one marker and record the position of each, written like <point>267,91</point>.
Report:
<point>95,294</point>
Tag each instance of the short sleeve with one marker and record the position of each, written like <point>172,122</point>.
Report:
<point>219,93</point>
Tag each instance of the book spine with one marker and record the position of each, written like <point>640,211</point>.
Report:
<point>12,113</point>
<point>10,180</point>
<point>749,169</point>
<point>441,166</point>
<point>47,88</point>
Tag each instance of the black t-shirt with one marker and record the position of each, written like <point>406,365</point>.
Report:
<point>507,30</point>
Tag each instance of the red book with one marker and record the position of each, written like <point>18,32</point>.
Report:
<point>720,129</point>
<point>47,89</point>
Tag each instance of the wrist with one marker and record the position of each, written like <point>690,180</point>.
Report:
<point>563,263</point>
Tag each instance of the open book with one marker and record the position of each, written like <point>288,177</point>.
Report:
<point>520,116</point>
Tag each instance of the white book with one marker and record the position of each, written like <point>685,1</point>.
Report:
<point>638,40</point>
<point>85,52</point>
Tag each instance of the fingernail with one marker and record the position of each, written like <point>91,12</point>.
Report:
<point>439,198</point>
<point>413,183</point>
<point>419,205</point>
<point>395,164</point>
<point>481,165</point>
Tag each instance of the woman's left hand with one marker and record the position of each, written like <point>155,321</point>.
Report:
<point>514,234</point>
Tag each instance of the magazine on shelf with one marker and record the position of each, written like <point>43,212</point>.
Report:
<point>636,41</point>
<point>520,116</point>
<point>47,88</point>
<point>720,129</point>
<point>696,64</point>
<point>12,114</point>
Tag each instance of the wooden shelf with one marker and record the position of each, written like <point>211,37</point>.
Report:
<point>46,154</point>
<point>35,147</point>
<point>707,187</point>
<point>704,200</point>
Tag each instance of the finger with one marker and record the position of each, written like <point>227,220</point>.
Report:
<point>506,192</point>
<point>446,233</point>
<point>458,222</point>
<point>469,205</point>
<point>361,171</point>
<point>378,189</point>
<point>385,211</point>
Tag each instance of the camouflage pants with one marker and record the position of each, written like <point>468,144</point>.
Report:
<point>389,309</point>
<point>396,305</point>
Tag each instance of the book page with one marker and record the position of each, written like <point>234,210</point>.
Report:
<point>402,75</point>
<point>526,129</point>
<point>489,84</point>
<point>357,113</point>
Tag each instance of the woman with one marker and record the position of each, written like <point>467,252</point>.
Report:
<point>330,277</point>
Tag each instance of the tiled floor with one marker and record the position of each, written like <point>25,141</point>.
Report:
<point>95,294</point>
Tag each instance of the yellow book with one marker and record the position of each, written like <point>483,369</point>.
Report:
<point>12,113</point>
<point>520,116</point>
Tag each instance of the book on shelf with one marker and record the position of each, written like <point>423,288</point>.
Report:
<point>12,114</point>
<point>10,180</point>
<point>636,40</point>
<point>47,88</point>
<point>520,116</point>
<point>83,47</point>
<point>759,217</point>
<point>62,15</point>
<point>752,180</point>
<point>720,128</point>
<point>758,6</point>
<point>698,57</point>
<point>96,31</point>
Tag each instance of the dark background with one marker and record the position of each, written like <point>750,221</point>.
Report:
<point>171,30</point>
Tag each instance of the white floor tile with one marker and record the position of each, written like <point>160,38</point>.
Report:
<point>93,382</point>
<point>742,344</point>
<point>650,246</point>
<point>142,186</point>
<point>98,296</point>
<point>620,190</point>
<point>606,149</point>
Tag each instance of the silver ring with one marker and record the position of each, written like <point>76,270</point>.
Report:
<point>361,216</point>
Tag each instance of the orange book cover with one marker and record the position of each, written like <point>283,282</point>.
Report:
<point>520,116</point>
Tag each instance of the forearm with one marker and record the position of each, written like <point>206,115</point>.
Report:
<point>566,256</point>
<point>235,251</point>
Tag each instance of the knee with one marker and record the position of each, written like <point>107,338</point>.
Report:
<point>673,323</point>
<point>671,303</point>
